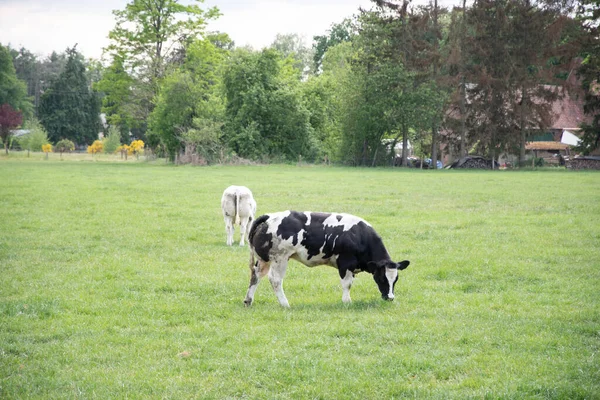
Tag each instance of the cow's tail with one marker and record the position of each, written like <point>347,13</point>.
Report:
<point>254,227</point>
<point>236,199</point>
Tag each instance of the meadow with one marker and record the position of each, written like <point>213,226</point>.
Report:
<point>115,282</point>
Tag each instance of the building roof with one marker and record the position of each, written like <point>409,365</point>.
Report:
<point>568,112</point>
<point>546,146</point>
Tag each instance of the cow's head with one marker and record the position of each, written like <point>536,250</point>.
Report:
<point>386,274</point>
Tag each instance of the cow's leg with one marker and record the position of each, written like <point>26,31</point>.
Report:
<point>346,264</point>
<point>243,226</point>
<point>346,285</point>
<point>276,275</point>
<point>257,272</point>
<point>229,229</point>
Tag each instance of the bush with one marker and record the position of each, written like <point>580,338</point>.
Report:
<point>112,141</point>
<point>36,138</point>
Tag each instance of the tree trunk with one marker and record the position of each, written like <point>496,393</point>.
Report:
<point>463,119</point>
<point>434,150</point>
<point>404,145</point>
<point>463,89</point>
<point>523,135</point>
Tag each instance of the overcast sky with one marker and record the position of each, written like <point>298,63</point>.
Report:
<point>42,26</point>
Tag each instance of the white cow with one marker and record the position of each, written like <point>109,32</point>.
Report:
<point>238,207</point>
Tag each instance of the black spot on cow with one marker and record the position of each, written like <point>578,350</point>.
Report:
<point>291,225</point>
<point>338,217</point>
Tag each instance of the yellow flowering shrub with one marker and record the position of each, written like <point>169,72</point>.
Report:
<point>96,147</point>
<point>136,147</point>
<point>47,148</point>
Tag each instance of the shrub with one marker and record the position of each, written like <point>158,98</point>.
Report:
<point>95,147</point>
<point>112,141</point>
<point>64,145</point>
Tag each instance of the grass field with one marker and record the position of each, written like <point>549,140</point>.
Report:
<point>115,282</point>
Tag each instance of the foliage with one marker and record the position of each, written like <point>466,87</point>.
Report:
<point>117,87</point>
<point>13,91</point>
<point>147,31</point>
<point>146,35</point>
<point>191,91</point>
<point>589,73</point>
<point>95,147</point>
<point>36,138</point>
<point>112,141</point>
<point>68,109</point>
<point>47,148</point>
<point>265,113</point>
<point>338,33</point>
<point>204,139</point>
<point>9,119</point>
<point>64,145</point>
<point>292,45</point>
<point>390,91</point>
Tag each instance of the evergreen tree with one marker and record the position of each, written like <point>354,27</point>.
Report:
<point>69,109</point>
<point>589,72</point>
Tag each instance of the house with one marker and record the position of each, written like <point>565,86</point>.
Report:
<point>558,139</point>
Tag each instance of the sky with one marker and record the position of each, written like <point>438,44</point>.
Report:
<point>43,26</point>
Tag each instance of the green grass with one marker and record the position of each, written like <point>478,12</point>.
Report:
<point>115,282</point>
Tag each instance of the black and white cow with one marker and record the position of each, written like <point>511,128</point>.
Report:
<point>343,241</point>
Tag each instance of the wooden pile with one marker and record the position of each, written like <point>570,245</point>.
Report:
<point>473,162</point>
<point>589,162</point>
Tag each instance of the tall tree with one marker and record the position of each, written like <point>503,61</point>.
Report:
<point>69,109</point>
<point>188,96</point>
<point>118,104</point>
<point>147,34</point>
<point>589,72</point>
<point>12,90</point>
<point>265,114</point>
<point>147,31</point>
<point>338,33</point>
<point>535,40</point>
<point>292,45</point>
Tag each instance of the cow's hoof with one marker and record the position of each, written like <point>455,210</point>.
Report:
<point>247,303</point>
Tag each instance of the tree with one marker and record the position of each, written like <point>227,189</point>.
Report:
<point>146,35</point>
<point>265,114</point>
<point>69,109</point>
<point>589,72</point>
<point>9,119</point>
<point>338,33</point>
<point>118,104</point>
<point>13,91</point>
<point>392,93</point>
<point>189,92</point>
<point>147,31</point>
<point>64,145</point>
<point>112,141</point>
<point>292,45</point>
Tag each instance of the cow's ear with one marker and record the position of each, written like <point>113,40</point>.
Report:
<point>402,265</point>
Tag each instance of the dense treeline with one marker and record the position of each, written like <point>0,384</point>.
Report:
<point>478,78</point>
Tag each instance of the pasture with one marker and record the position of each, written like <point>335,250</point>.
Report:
<point>115,282</point>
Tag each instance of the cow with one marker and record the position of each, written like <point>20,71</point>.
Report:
<point>343,241</point>
<point>238,207</point>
